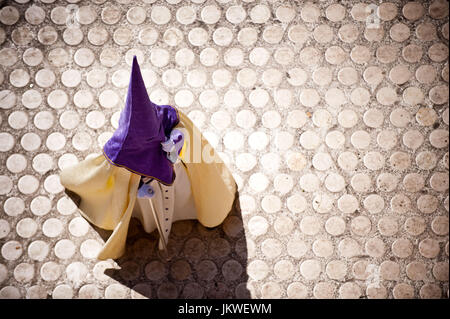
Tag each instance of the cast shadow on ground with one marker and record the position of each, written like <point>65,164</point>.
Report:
<point>203,262</point>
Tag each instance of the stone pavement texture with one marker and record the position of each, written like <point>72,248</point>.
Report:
<point>333,117</point>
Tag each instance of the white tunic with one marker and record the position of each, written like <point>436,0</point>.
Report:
<point>171,203</point>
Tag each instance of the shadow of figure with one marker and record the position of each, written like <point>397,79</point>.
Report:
<point>203,262</point>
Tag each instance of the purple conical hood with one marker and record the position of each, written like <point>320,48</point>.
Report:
<point>143,125</point>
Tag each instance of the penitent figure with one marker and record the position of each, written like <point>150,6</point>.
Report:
<point>156,167</point>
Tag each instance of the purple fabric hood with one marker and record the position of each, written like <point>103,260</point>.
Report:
<point>143,126</point>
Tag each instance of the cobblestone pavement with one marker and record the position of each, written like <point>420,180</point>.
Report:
<point>333,118</point>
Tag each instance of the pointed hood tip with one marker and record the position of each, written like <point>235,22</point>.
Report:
<point>135,64</point>
<point>136,79</point>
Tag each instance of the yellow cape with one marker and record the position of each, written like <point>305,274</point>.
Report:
<point>108,192</point>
